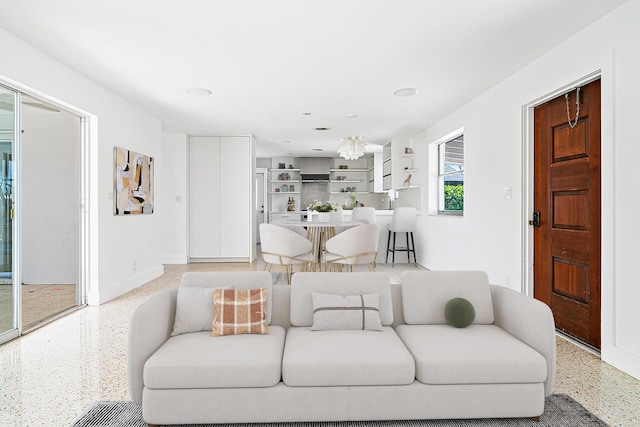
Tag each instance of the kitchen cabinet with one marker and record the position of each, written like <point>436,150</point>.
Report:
<point>374,164</point>
<point>285,216</point>
<point>220,198</point>
<point>386,167</point>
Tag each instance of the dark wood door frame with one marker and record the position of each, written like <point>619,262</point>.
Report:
<point>607,244</point>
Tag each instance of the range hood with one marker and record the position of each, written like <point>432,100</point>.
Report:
<point>315,169</point>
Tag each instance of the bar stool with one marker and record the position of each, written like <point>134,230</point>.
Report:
<point>402,221</point>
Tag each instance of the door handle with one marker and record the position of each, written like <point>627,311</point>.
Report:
<point>536,219</point>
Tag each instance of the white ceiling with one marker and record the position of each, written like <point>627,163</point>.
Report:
<point>268,61</point>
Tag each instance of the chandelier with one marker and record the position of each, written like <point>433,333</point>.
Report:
<point>351,148</point>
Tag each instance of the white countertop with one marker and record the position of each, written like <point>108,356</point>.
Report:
<point>347,212</point>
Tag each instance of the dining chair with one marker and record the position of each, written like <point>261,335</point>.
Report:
<point>286,248</point>
<point>364,214</point>
<point>357,245</point>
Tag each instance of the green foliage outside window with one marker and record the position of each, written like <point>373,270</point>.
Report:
<point>453,197</point>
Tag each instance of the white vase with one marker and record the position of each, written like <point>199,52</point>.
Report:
<point>336,216</point>
<point>324,216</point>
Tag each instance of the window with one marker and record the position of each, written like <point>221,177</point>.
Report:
<point>451,176</point>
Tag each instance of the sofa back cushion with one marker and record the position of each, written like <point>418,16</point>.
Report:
<point>304,284</point>
<point>195,310</point>
<point>425,294</point>
<point>233,280</point>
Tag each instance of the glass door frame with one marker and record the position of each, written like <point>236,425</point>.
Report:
<point>15,250</point>
<point>84,230</point>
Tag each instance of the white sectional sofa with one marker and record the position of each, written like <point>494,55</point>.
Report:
<point>416,367</point>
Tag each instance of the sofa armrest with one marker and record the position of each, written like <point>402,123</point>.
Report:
<point>529,320</point>
<point>151,325</point>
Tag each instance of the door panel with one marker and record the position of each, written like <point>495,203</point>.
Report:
<point>570,279</point>
<point>9,295</point>
<point>50,141</point>
<point>236,210</point>
<point>567,194</point>
<point>204,197</point>
<point>570,210</point>
<point>569,143</point>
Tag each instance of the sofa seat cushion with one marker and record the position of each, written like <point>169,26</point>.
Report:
<point>198,360</point>
<point>478,354</point>
<point>345,358</point>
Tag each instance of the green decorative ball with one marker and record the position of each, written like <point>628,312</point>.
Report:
<point>459,312</point>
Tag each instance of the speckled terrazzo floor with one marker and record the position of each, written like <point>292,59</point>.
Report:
<point>52,375</point>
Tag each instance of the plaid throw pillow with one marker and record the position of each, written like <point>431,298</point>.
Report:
<point>240,311</point>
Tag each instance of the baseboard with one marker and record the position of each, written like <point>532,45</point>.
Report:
<point>621,359</point>
<point>93,298</point>
<point>113,290</point>
<point>175,259</point>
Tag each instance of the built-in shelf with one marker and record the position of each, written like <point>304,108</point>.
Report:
<point>285,192</point>
<point>411,170</point>
<point>346,181</point>
<point>350,170</point>
<point>285,170</point>
<point>285,181</point>
<point>409,187</point>
<point>408,155</point>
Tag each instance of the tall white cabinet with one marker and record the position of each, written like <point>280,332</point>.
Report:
<point>221,173</point>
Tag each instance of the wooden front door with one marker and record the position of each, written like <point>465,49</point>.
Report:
<point>567,197</point>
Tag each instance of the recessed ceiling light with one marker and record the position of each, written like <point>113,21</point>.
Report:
<point>317,149</point>
<point>286,142</point>
<point>306,114</point>
<point>199,91</point>
<point>407,91</point>
<point>321,129</point>
<point>289,154</point>
<point>352,116</point>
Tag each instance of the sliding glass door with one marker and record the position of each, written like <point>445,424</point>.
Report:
<point>9,291</point>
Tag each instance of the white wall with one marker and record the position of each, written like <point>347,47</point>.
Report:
<point>491,236</point>
<point>175,198</point>
<point>115,242</point>
<point>50,197</point>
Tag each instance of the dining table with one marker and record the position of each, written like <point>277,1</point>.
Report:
<point>318,232</point>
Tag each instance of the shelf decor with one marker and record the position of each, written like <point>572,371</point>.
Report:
<point>133,182</point>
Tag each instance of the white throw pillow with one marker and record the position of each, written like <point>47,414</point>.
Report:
<point>194,309</point>
<point>353,312</point>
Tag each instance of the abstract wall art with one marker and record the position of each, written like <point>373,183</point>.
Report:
<point>133,192</point>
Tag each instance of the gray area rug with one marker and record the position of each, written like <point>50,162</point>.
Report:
<point>560,411</point>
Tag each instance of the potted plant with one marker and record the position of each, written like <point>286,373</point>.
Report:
<point>324,209</point>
